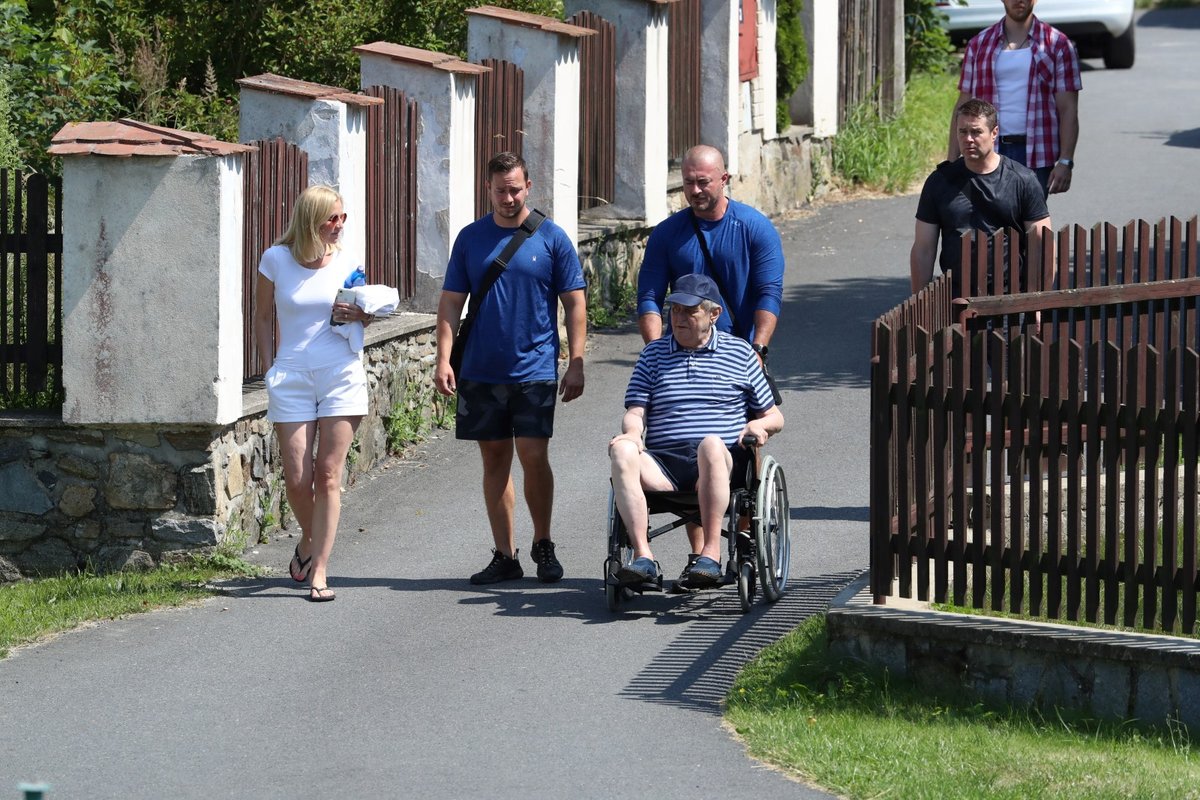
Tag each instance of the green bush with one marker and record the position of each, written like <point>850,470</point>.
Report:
<point>891,154</point>
<point>791,52</point>
<point>927,47</point>
<point>9,156</point>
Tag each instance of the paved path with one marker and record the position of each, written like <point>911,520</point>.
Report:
<point>414,683</point>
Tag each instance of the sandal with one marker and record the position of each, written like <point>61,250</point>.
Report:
<point>298,567</point>
<point>320,594</point>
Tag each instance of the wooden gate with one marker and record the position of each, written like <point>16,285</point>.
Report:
<point>30,286</point>
<point>274,176</point>
<point>597,110</point>
<point>684,90</point>
<point>499,112</point>
<point>392,190</point>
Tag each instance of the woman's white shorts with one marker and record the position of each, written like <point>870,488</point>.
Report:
<point>301,395</point>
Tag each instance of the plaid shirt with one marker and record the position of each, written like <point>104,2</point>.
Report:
<point>1055,68</point>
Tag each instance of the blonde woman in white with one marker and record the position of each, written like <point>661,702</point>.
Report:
<point>316,384</point>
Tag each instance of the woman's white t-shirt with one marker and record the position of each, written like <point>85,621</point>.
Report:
<point>303,302</point>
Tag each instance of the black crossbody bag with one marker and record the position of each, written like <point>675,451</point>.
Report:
<point>527,229</point>
<point>712,273</point>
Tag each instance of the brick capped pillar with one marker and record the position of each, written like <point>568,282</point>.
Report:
<point>327,122</point>
<point>445,89</point>
<point>640,190</point>
<point>152,274</point>
<point>547,49</point>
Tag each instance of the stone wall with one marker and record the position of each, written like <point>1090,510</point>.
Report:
<point>133,495</point>
<point>1106,674</point>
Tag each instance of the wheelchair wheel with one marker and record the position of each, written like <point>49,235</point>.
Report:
<point>745,584</point>
<point>771,531</point>
<point>619,554</point>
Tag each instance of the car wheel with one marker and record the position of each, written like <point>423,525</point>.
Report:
<point>1118,54</point>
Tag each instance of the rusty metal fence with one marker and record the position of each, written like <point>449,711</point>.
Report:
<point>1037,452</point>
<point>30,286</point>
<point>274,175</point>
<point>597,110</point>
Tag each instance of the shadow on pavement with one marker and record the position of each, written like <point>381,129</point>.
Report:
<point>697,669</point>
<point>826,513</point>
<point>838,316</point>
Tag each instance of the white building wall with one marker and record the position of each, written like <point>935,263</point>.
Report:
<point>824,43</point>
<point>765,85</point>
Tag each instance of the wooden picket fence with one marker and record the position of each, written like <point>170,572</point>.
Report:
<point>1037,451</point>
<point>30,286</point>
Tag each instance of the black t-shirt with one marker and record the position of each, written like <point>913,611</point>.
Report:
<point>959,201</point>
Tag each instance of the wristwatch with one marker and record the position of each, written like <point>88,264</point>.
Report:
<point>1066,162</point>
<point>761,349</point>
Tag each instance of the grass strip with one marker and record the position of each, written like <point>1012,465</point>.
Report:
<point>30,610</point>
<point>860,733</point>
<point>893,154</point>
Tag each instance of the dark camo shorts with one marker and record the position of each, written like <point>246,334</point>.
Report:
<point>493,411</point>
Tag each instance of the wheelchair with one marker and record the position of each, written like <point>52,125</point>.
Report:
<point>760,556</point>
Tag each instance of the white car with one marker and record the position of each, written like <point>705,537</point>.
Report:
<point>1098,27</point>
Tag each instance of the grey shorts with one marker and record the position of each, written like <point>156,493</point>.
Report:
<point>494,411</point>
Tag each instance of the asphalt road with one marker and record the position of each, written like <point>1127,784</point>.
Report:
<point>414,683</point>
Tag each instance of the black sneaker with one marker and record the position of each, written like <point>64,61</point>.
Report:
<point>680,585</point>
<point>548,568</point>
<point>502,568</point>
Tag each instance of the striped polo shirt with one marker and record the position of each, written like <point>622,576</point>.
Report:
<point>690,394</point>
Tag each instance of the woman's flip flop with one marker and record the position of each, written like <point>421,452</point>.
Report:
<point>298,567</point>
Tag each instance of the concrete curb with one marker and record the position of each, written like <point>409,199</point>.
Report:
<point>1109,674</point>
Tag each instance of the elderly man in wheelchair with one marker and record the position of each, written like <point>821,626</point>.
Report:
<point>698,407</point>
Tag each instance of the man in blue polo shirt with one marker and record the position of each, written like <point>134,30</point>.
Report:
<point>692,398</point>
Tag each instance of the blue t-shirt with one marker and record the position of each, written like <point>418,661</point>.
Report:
<point>514,339</point>
<point>690,394</point>
<point>747,256</point>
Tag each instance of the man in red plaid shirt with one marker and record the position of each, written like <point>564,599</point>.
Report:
<point>1030,72</point>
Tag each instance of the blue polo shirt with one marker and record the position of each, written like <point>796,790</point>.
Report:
<point>690,394</point>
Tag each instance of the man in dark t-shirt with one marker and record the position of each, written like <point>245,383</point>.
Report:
<point>982,190</point>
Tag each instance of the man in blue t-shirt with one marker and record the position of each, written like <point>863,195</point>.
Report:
<point>744,258</point>
<point>692,398</point>
<point>508,380</point>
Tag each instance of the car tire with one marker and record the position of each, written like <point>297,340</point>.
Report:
<point>1119,52</point>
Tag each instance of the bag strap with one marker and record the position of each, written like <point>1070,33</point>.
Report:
<point>712,271</point>
<point>532,222</point>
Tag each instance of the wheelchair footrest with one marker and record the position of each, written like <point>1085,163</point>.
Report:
<point>641,588</point>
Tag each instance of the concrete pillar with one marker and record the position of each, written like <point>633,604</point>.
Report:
<point>821,29</point>
<point>719,85</point>
<point>547,49</point>
<point>764,87</point>
<point>445,89</point>
<point>328,123</point>
<point>640,189</point>
<point>152,275</point>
